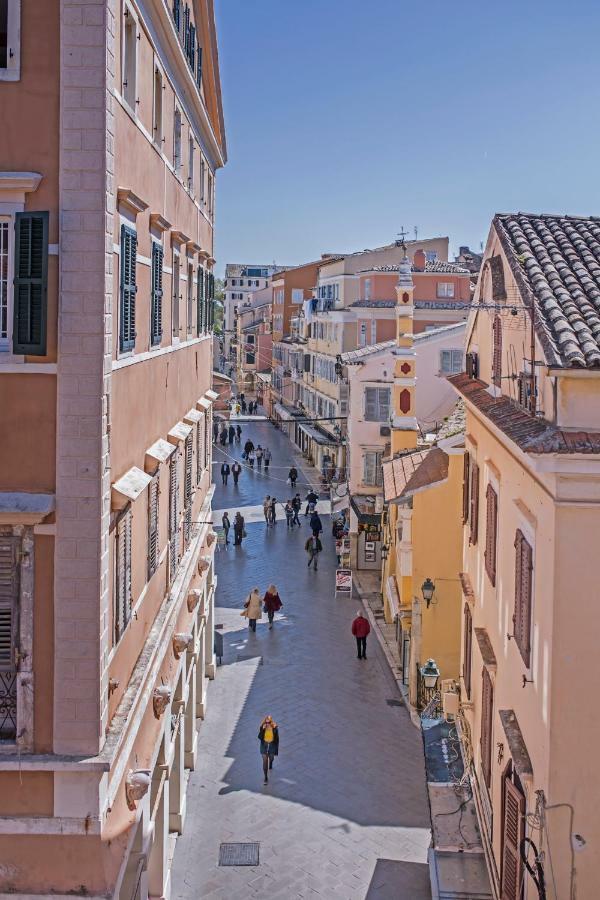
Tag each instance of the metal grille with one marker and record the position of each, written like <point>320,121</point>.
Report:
<point>239,854</point>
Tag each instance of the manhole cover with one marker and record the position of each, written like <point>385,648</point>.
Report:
<point>239,854</point>
<point>394,702</point>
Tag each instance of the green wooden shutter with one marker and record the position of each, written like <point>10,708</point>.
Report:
<point>153,546</point>
<point>211,307</point>
<point>199,67</point>
<point>157,293</point>
<point>200,299</point>
<point>206,296</point>
<point>31,283</point>
<point>128,288</point>
<point>9,633</point>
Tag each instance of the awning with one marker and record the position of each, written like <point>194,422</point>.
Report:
<point>391,592</point>
<point>339,503</point>
<point>21,508</point>
<point>317,436</point>
<point>178,433</point>
<point>129,487</point>
<point>367,518</point>
<point>284,413</point>
<point>159,452</point>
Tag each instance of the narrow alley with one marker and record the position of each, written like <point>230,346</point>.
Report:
<point>345,813</point>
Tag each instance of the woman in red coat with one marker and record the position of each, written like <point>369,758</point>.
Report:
<point>272,603</point>
<point>360,630</point>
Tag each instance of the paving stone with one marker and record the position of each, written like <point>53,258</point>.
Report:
<point>345,813</point>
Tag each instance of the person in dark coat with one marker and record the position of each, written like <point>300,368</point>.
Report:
<point>243,407</point>
<point>236,470</point>
<point>316,524</point>
<point>296,506</point>
<point>223,435</point>
<point>273,511</point>
<point>293,476</point>
<point>268,735</point>
<point>313,547</point>
<point>238,529</point>
<point>311,498</point>
<point>231,432</point>
<point>238,433</point>
<point>225,472</point>
<point>248,446</point>
<point>289,514</point>
<point>226,526</point>
<point>267,459</point>
<point>360,630</point>
<point>272,603</point>
<point>215,432</point>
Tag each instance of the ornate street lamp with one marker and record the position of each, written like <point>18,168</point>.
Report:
<point>430,674</point>
<point>428,590</point>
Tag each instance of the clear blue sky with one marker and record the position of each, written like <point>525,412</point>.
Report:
<point>347,119</point>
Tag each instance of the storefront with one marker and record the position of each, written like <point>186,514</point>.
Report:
<point>365,532</point>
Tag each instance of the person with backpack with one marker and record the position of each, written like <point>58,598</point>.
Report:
<point>313,547</point>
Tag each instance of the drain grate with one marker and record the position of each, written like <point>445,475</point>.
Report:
<point>239,854</point>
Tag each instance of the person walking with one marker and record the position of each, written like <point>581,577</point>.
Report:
<point>239,531</point>
<point>243,407</point>
<point>311,501</point>
<point>360,630</point>
<point>289,514</point>
<point>267,459</point>
<point>225,470</point>
<point>259,457</point>
<point>273,513</point>
<point>215,432</point>
<point>236,471</point>
<point>296,506</point>
<point>316,524</point>
<point>267,509</point>
<point>226,526</point>
<point>271,603</point>
<point>313,547</point>
<point>252,458</point>
<point>231,432</point>
<point>238,433</point>
<point>268,735</point>
<point>253,609</point>
<point>223,435</point>
<point>248,446</point>
<point>293,477</point>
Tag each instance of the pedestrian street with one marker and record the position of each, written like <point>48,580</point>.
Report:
<point>345,812</point>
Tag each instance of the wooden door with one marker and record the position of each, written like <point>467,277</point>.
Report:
<point>513,832</point>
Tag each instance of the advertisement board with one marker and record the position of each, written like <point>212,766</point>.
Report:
<point>343,582</point>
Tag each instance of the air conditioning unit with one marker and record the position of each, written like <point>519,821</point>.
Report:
<point>385,431</point>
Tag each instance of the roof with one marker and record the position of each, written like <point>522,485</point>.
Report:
<point>356,356</point>
<point>404,475</point>
<point>455,423</point>
<point>530,434</point>
<point>556,264</point>
<point>422,336</point>
<point>437,267</point>
<point>375,304</point>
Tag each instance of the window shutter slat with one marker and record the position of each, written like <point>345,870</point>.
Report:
<point>31,283</point>
<point>153,546</point>
<point>467,649</point>
<point>490,532</point>
<point>513,832</point>
<point>128,288</point>
<point>487,705</point>
<point>199,67</point>
<point>497,352</point>
<point>173,514</point>
<point>466,475</point>
<point>9,600</point>
<point>523,596</point>
<point>474,503</point>
<point>157,293</point>
<point>122,604</point>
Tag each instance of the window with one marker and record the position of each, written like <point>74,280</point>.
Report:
<point>377,404</point>
<point>210,193</point>
<point>513,832</point>
<point>373,331</point>
<point>367,288</point>
<point>523,596</point>
<point>175,296</point>
<point>497,351</point>
<point>474,512</point>
<point>445,289</point>
<point>487,709</point>
<point>362,335</point>
<point>128,288</point>
<point>191,150</point>
<point>200,453</point>
<point>173,514</point>
<point>122,595</point>
<point>30,283</point>
<point>156,294</point>
<point>177,142</point>
<point>153,545</point>
<point>9,633</point>
<point>190,298</point>
<point>250,358</point>
<point>467,649</point>
<point>491,531</point>
<point>372,468</point>
<point>157,120</point>
<point>451,362</point>
<point>129,58</point>
<point>4,282</point>
<point>202,193</point>
<point>498,286</point>
<point>200,301</point>
<point>10,50</point>
<point>465,499</point>
<point>187,489</point>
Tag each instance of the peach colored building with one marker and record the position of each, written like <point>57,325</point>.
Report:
<point>106,549</point>
<point>531,514</point>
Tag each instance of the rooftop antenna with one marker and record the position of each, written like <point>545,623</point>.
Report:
<point>416,230</point>
<point>402,235</point>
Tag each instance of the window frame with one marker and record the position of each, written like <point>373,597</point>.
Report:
<point>190,298</point>
<point>127,342</point>
<point>12,70</point>
<point>377,416</point>
<point>6,343</point>
<point>123,596</point>
<point>445,290</point>
<point>177,141</point>
<point>131,24</point>
<point>452,368</point>
<point>156,293</point>
<point>157,106</point>
<point>377,468</point>
<point>175,295</point>
<point>153,525</point>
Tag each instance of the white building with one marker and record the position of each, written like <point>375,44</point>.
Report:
<point>241,281</point>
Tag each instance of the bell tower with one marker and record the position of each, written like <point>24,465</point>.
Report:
<point>404,424</point>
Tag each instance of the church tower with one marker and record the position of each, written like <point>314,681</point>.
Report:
<point>405,428</point>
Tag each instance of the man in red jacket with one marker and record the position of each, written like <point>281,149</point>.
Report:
<point>360,630</point>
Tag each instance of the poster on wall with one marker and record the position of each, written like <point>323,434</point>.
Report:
<point>370,556</point>
<point>343,582</point>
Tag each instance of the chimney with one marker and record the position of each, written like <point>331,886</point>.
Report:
<point>463,250</point>
<point>419,260</point>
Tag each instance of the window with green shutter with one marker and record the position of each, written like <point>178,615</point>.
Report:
<point>9,608</point>
<point>200,299</point>
<point>30,283</point>
<point>157,294</point>
<point>122,595</point>
<point>199,67</point>
<point>128,289</point>
<point>153,541</point>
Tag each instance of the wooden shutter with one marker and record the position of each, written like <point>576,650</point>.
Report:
<point>123,574</point>
<point>206,296</point>
<point>199,450</point>
<point>192,47</point>
<point>207,439</point>
<point>157,293</point>
<point>199,67</point>
<point>173,513</point>
<point>9,634</point>
<point>187,488</point>
<point>513,832</point>
<point>487,706</point>
<point>177,13</point>
<point>467,649</point>
<point>523,595</point>
<point>128,288</point>
<point>474,520</point>
<point>497,352</point>
<point>466,477</point>
<point>491,531</point>
<point>498,286</point>
<point>153,545</point>
<point>30,283</point>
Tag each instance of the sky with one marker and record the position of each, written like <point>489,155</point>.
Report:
<point>348,120</point>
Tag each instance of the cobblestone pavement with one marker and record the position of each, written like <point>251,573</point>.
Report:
<point>345,813</point>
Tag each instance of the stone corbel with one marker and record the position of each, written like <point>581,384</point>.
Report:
<point>181,642</point>
<point>137,785</point>
<point>161,697</point>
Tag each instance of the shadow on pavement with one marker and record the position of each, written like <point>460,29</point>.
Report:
<point>393,879</point>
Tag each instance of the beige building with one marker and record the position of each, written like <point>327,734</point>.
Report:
<point>531,512</point>
<point>106,550</point>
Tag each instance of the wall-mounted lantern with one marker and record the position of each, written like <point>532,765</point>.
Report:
<point>428,590</point>
<point>430,674</point>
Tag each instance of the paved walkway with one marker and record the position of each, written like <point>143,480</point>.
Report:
<point>345,813</point>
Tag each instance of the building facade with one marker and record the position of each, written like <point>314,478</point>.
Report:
<point>106,550</point>
<point>531,513</point>
<point>254,340</point>
<point>241,281</point>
